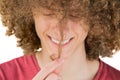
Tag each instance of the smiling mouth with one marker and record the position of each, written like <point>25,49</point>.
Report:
<point>64,42</point>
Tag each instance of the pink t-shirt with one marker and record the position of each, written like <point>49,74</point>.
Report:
<point>26,67</point>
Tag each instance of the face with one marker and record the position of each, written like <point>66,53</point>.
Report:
<point>48,28</point>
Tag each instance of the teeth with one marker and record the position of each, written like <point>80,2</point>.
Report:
<point>63,42</point>
<point>55,41</point>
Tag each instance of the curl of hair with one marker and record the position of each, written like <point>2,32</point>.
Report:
<point>103,17</point>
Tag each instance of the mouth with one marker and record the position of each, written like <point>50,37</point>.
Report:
<point>63,43</point>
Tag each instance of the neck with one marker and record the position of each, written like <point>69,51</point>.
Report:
<point>77,65</point>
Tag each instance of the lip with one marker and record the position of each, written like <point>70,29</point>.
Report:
<point>63,45</point>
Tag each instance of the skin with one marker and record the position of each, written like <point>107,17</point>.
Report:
<point>48,70</point>
<point>73,53</point>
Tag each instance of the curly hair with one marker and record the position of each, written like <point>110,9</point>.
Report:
<point>102,16</point>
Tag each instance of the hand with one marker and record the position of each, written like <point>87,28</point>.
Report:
<point>47,73</point>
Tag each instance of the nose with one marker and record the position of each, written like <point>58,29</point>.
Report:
<point>61,28</point>
<point>64,26</point>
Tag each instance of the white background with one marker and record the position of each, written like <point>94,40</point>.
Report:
<point>8,50</point>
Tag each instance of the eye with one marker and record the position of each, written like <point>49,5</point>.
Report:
<point>74,16</point>
<point>48,14</point>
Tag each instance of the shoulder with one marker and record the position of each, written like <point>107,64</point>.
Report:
<point>21,66</point>
<point>107,72</point>
<point>27,59</point>
<point>111,71</point>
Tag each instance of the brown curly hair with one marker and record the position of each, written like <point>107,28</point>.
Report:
<point>103,17</point>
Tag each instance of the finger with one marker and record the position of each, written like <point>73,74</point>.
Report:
<point>53,76</point>
<point>58,69</point>
<point>48,69</point>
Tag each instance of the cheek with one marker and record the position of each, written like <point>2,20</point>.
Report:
<point>41,26</point>
<point>81,32</point>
